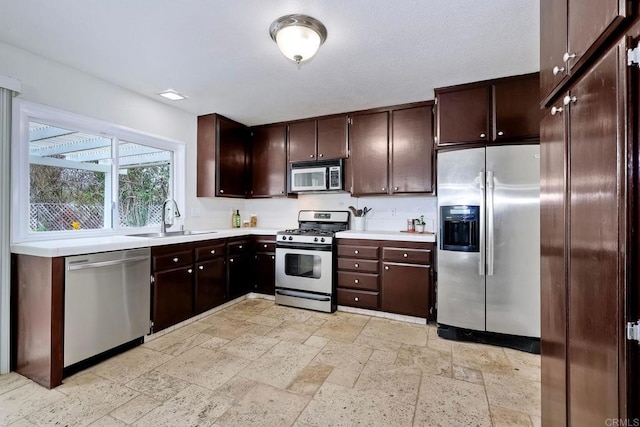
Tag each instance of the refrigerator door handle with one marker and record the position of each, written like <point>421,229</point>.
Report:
<point>482,264</point>
<point>490,229</point>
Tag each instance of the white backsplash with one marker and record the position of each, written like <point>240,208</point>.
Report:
<point>387,214</point>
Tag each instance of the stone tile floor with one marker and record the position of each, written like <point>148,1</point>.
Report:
<point>256,363</point>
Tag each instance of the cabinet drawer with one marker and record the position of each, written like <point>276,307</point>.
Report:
<point>366,281</point>
<point>369,266</point>
<point>265,246</point>
<point>358,251</point>
<point>209,251</point>
<point>238,247</point>
<point>172,260</point>
<point>360,299</point>
<point>412,256</point>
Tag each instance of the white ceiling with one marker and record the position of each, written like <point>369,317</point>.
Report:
<point>220,54</point>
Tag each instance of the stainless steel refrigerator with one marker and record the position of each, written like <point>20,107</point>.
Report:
<point>488,259</point>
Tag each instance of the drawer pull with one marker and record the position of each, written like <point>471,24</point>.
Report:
<point>356,281</point>
<point>356,265</point>
<point>356,299</point>
<point>231,260</point>
<point>176,260</point>
<point>201,267</point>
<point>386,267</point>
<point>405,255</point>
<point>356,251</point>
<point>189,271</point>
<point>265,245</point>
<point>273,257</point>
<point>240,247</point>
<point>213,251</point>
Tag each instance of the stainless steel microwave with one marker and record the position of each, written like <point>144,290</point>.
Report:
<point>316,176</point>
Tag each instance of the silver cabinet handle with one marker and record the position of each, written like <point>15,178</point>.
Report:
<point>320,155</point>
<point>273,257</point>
<point>384,189</point>
<point>557,70</point>
<point>221,191</point>
<point>311,156</point>
<point>405,255</point>
<point>231,260</point>
<point>500,133</point>
<point>240,247</point>
<point>483,135</point>
<point>386,267</point>
<point>265,245</point>
<point>356,251</point>
<point>567,56</point>
<point>213,252</point>
<point>556,110</point>
<point>569,99</point>
<point>396,188</point>
<point>201,267</point>
<point>356,265</point>
<point>176,260</point>
<point>190,271</point>
<point>356,281</point>
<point>356,299</point>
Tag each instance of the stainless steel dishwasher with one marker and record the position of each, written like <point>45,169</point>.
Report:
<point>107,299</point>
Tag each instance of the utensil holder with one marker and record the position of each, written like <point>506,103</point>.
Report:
<point>358,223</point>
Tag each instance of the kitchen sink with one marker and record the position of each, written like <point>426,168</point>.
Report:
<point>173,233</point>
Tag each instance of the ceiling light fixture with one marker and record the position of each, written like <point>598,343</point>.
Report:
<point>298,36</point>
<point>172,95</point>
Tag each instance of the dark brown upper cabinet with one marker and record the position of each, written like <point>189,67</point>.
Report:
<point>269,161</point>
<point>369,142</point>
<point>492,111</point>
<point>392,150</point>
<point>412,150</point>
<point>570,32</point>
<point>223,158</point>
<point>324,138</point>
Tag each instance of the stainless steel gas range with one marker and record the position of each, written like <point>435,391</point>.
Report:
<point>305,275</point>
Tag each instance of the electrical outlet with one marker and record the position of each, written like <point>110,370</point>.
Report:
<point>393,212</point>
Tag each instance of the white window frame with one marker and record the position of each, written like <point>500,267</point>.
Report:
<point>25,111</point>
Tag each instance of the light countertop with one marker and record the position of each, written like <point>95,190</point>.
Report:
<point>387,235</point>
<point>67,247</point>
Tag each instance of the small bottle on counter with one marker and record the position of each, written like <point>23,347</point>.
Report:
<point>238,220</point>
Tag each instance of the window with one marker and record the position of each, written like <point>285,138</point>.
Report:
<point>77,175</point>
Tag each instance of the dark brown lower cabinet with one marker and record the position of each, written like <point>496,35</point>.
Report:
<point>172,296</point>
<point>210,284</point>
<point>405,289</point>
<point>265,273</point>
<point>239,275</point>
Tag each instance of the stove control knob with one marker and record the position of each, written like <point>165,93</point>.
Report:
<point>290,237</point>
<point>322,239</point>
<point>315,239</point>
<point>284,237</point>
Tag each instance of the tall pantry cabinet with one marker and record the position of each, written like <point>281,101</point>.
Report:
<point>589,241</point>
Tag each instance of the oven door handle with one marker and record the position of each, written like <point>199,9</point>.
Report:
<point>305,246</point>
<point>304,295</point>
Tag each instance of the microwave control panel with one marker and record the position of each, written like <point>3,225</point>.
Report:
<point>334,178</point>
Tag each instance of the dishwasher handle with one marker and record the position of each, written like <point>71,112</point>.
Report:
<point>84,264</point>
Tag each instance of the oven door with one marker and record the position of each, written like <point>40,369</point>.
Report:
<point>308,270</point>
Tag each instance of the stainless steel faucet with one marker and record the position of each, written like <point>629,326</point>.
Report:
<point>176,213</point>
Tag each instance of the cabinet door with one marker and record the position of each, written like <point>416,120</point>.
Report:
<point>463,115</point>
<point>269,161</point>
<point>265,273</point>
<point>210,284</point>
<point>553,278</point>
<point>590,21</point>
<point>332,137</point>
<point>222,157</point>
<point>172,297</point>
<point>302,141</point>
<point>553,44</point>
<point>369,136</point>
<point>406,289</point>
<point>412,150</point>
<point>596,283</point>
<point>516,109</point>
<point>239,275</point>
